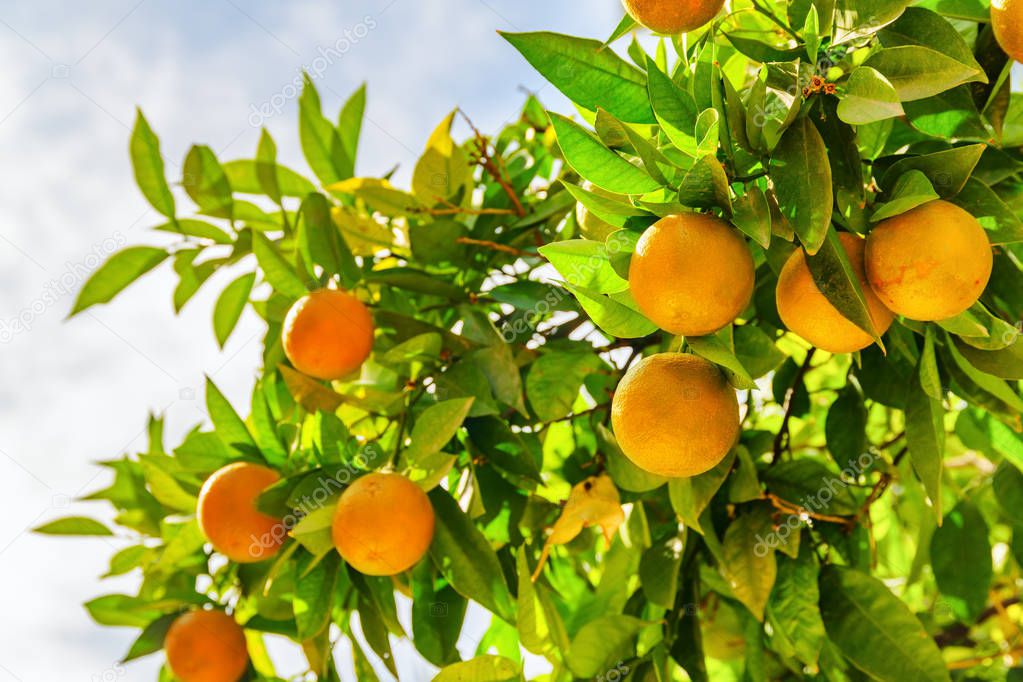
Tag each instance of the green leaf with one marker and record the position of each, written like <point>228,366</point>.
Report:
<point>73,525</point>
<point>349,127</point>
<point>585,263</point>
<point>206,183</point>
<point>719,349</point>
<point>691,496</point>
<point>123,268</point>
<point>435,427</point>
<point>950,115</point>
<point>947,170</point>
<point>122,610</point>
<point>159,472</point>
<point>862,617</point>
<point>846,425</point>
<point>321,243</point>
<point>321,144</point>
<point>486,668</point>
<point>152,638</point>
<point>912,189</point>
<point>968,10</point>
<point>802,180</point>
<point>749,563</point>
<point>613,211</point>
<point>539,623</point>
<point>919,72</point>
<point>1001,222</point>
<point>706,186</point>
<point>196,228</point>
<point>922,27</point>
<point>464,555</point>
<point>961,558</point>
<point>1008,488</point>
<point>616,314</point>
<point>854,18</point>
<point>598,164</point>
<point>841,284</point>
<point>869,97</point>
<point>587,73</point>
<point>659,569</point>
<point>674,108</point>
<point>265,176</point>
<point>437,616</point>
<point>1006,363</point>
<point>925,435</point>
<point>793,609</point>
<point>602,642</point>
<point>230,305</point>
<point>147,162</point>
<point>230,427</point>
<point>314,590</point>
<point>278,273</point>
<point>553,383</point>
<point>751,213</point>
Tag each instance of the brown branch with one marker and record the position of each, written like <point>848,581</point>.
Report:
<point>494,246</point>
<point>458,210</point>
<point>958,632</point>
<point>494,169</point>
<point>781,441</point>
<point>795,509</point>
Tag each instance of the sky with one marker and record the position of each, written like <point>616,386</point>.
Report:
<point>203,71</point>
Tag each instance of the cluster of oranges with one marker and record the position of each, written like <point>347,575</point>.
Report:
<point>675,414</point>
<point>383,522</point>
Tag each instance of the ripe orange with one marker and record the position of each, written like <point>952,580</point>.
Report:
<point>1007,22</point>
<point>691,274</point>
<point>228,516</point>
<point>383,524</point>
<point>805,310</point>
<point>206,646</point>
<point>675,415</point>
<point>328,334</point>
<point>930,263</point>
<point>673,16</point>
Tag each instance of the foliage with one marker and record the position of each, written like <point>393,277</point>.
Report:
<point>868,524</point>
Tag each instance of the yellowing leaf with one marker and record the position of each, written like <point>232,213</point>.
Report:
<point>594,502</point>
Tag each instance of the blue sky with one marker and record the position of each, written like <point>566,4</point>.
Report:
<point>78,391</point>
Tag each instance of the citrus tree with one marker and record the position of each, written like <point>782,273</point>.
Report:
<point>715,377</point>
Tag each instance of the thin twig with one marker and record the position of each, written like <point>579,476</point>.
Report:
<point>781,24</point>
<point>494,246</point>
<point>790,508</point>
<point>493,168</point>
<point>781,441</point>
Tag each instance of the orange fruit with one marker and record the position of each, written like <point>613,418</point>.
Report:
<point>691,274</point>
<point>805,310</point>
<point>328,334</point>
<point>383,524</point>
<point>673,16</point>
<point>206,646</point>
<point>228,516</point>
<point>930,263</point>
<point>1007,22</point>
<point>675,415</point>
